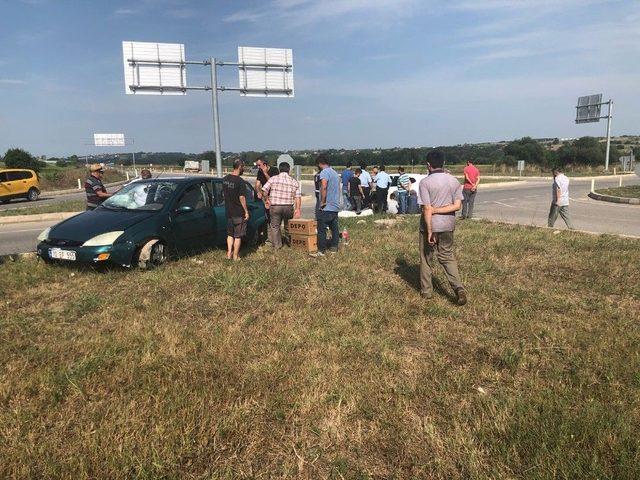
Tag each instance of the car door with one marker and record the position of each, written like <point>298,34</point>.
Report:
<point>257,214</point>
<point>5,190</point>
<point>219,213</point>
<point>14,182</point>
<point>23,181</point>
<point>192,219</point>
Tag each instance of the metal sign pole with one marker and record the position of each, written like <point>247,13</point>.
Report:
<point>216,116</point>
<point>606,161</point>
<point>133,155</point>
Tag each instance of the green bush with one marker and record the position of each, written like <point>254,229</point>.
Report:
<point>19,158</point>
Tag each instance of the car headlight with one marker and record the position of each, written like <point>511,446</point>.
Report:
<point>44,235</point>
<point>103,240</point>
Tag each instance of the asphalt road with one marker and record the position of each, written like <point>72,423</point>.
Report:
<point>528,204</point>
<point>21,237</point>
<point>525,203</point>
<point>18,204</point>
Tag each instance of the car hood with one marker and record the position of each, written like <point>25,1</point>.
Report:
<point>95,222</point>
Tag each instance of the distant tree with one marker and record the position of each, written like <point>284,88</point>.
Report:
<point>18,158</point>
<point>586,151</point>
<point>61,162</point>
<point>526,149</point>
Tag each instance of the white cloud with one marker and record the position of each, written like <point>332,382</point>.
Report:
<point>181,13</point>
<point>125,11</point>
<point>298,13</point>
<point>12,81</point>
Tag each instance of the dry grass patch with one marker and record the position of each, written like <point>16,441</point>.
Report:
<point>281,366</point>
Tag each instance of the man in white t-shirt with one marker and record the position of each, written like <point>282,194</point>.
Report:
<point>560,199</point>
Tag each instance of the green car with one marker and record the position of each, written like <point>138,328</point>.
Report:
<point>149,220</point>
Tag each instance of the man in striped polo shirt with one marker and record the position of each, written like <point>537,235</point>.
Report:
<point>283,195</point>
<point>94,188</point>
<point>404,185</point>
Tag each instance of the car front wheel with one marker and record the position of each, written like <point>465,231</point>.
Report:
<point>151,255</point>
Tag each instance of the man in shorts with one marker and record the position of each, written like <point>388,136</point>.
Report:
<point>235,204</point>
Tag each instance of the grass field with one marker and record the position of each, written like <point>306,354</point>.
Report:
<point>61,178</point>
<point>631,191</point>
<point>290,367</point>
<point>64,206</point>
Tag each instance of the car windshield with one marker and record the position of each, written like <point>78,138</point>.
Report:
<point>141,196</point>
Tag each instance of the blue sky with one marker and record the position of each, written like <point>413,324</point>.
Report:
<point>368,73</point>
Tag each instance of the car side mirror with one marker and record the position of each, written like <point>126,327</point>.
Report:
<point>184,209</point>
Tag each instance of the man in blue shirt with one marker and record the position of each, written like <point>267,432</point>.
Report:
<point>383,180</point>
<point>345,176</point>
<point>366,182</point>
<point>327,214</point>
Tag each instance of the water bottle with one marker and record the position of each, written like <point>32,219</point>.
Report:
<point>345,236</point>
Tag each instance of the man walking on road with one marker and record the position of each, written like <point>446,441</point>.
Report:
<point>94,188</point>
<point>404,185</point>
<point>235,204</point>
<point>560,199</point>
<point>471,182</point>
<point>327,215</point>
<point>441,196</point>
<point>383,180</point>
<point>283,194</point>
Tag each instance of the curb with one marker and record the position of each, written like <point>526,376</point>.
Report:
<point>40,217</point>
<point>612,199</point>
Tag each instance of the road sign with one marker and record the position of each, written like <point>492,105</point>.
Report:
<point>160,69</point>
<point>154,68</point>
<point>589,108</point>
<point>265,72</point>
<point>285,157</point>
<point>521,165</point>
<point>108,139</point>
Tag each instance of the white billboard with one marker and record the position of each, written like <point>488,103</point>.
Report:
<point>265,72</point>
<point>144,75</point>
<point>108,139</point>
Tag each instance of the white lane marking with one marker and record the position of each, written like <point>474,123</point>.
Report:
<point>504,204</point>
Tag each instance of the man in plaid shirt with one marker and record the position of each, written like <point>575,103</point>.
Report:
<point>282,196</point>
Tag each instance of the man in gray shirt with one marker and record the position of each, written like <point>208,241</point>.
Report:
<point>441,196</point>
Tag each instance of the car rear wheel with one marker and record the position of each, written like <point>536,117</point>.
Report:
<point>151,255</point>
<point>33,195</point>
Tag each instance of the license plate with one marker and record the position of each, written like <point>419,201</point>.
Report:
<point>60,254</point>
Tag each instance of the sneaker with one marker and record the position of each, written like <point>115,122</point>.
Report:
<point>426,295</point>
<point>317,254</point>
<point>462,296</point>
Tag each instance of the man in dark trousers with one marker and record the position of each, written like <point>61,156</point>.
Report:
<point>441,196</point>
<point>235,204</point>
<point>265,172</point>
<point>94,188</point>
<point>327,214</point>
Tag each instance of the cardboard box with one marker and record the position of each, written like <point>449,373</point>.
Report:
<point>302,226</point>
<point>305,243</point>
